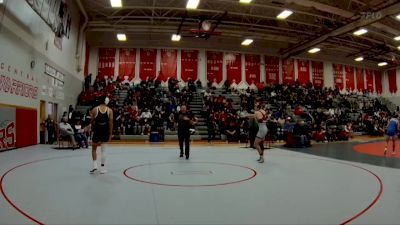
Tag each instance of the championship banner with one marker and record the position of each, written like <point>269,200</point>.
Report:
<point>349,77</point>
<point>272,69</point>
<point>147,66</point>
<point>189,64</point>
<point>370,80</point>
<point>338,76</point>
<point>392,81</point>
<point>214,66</point>
<point>168,63</point>
<point>7,128</point>
<point>288,71</point>
<point>233,67</point>
<point>360,79</point>
<point>318,73</point>
<point>87,59</point>
<point>252,68</point>
<point>106,62</point>
<point>127,63</point>
<point>303,71</point>
<point>378,82</point>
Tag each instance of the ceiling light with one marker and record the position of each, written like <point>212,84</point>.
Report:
<point>284,14</point>
<point>247,41</point>
<point>121,37</point>
<point>359,59</point>
<point>245,1</point>
<point>360,32</point>
<point>382,64</point>
<point>192,4</point>
<point>398,17</point>
<point>116,3</point>
<point>397,38</point>
<point>314,50</point>
<point>176,37</point>
<point>398,47</point>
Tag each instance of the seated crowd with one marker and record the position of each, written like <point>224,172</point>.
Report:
<point>147,107</point>
<point>302,111</point>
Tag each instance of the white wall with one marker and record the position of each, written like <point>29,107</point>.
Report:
<point>23,39</point>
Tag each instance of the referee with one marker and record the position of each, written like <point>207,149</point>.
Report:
<point>186,121</point>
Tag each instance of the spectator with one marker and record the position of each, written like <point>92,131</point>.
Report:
<point>67,131</point>
<point>50,127</point>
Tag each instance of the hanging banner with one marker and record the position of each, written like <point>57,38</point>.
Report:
<point>127,63</point>
<point>370,80</point>
<point>106,62</point>
<point>147,63</point>
<point>272,69</point>
<point>288,71</point>
<point>378,82</point>
<point>318,73</point>
<point>233,67</point>
<point>189,64</point>
<point>168,64</point>
<point>87,58</point>
<point>392,81</point>
<point>303,67</point>
<point>338,76</point>
<point>360,79</point>
<point>252,68</point>
<point>349,77</point>
<point>214,66</point>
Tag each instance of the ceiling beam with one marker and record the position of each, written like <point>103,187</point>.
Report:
<point>390,10</point>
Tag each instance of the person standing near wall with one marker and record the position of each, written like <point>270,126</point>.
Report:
<point>50,127</point>
<point>102,127</point>
<point>186,121</point>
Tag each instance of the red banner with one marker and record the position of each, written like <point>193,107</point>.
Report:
<point>189,59</point>
<point>106,62</point>
<point>272,69</point>
<point>303,67</point>
<point>214,66</point>
<point>338,76</point>
<point>370,80</point>
<point>318,74</point>
<point>127,63</point>
<point>147,63</point>
<point>378,82</point>
<point>360,79</point>
<point>168,64</point>
<point>252,68</point>
<point>392,81</point>
<point>349,77</point>
<point>87,57</point>
<point>234,67</point>
<point>288,71</point>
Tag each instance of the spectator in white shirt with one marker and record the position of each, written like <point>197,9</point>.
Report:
<point>66,130</point>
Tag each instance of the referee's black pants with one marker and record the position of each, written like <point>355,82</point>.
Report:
<point>184,137</point>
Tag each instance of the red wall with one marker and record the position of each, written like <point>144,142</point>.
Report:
<point>26,127</point>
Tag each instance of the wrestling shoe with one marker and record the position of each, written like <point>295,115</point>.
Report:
<point>103,170</point>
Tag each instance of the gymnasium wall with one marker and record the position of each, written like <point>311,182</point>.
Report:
<point>333,74</point>
<point>33,68</point>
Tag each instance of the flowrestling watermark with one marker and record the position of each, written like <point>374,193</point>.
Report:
<point>371,15</point>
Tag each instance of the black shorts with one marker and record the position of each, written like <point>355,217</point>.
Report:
<point>100,137</point>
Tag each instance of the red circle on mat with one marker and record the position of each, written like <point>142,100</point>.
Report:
<point>377,149</point>
<point>253,174</point>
